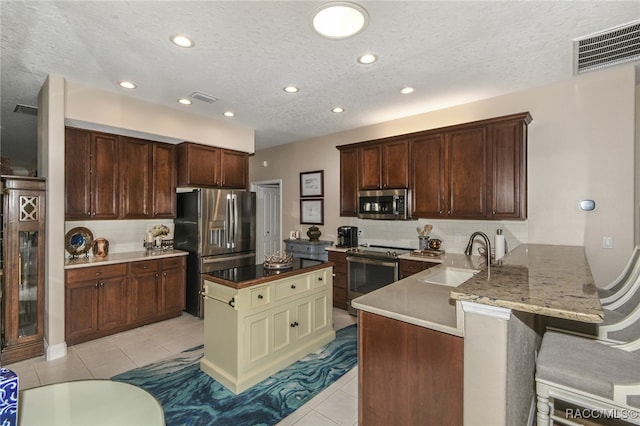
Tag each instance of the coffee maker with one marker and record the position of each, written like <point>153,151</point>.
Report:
<point>347,236</point>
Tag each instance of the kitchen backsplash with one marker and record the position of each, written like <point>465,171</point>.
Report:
<point>123,235</point>
<point>453,233</point>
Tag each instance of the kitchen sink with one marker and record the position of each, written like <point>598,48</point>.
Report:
<point>451,277</point>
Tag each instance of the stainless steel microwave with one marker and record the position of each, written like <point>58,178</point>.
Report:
<point>390,204</point>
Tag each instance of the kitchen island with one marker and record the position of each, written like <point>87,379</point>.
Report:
<point>257,320</point>
<point>493,318</point>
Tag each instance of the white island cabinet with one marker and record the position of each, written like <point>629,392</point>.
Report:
<point>253,331</point>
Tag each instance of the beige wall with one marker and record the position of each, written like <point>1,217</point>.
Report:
<point>95,109</point>
<point>581,145</point>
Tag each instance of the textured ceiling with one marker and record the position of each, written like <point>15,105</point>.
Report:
<point>452,52</point>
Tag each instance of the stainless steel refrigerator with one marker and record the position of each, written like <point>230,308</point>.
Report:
<point>218,229</point>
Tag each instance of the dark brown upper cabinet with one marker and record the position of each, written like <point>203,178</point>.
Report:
<point>348,182</point>
<point>384,165</point>
<point>202,165</point>
<point>91,175</point>
<point>469,171</point>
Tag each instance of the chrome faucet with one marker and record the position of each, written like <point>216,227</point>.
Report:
<point>469,248</point>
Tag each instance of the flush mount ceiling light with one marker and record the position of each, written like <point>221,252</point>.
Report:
<point>229,114</point>
<point>291,89</point>
<point>181,40</point>
<point>367,58</point>
<point>339,20</point>
<point>127,84</point>
<point>407,90</point>
<point>184,101</point>
<point>337,109</point>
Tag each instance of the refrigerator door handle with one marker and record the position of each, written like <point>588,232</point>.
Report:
<point>227,222</point>
<point>235,219</point>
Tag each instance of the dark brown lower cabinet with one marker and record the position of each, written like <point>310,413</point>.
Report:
<point>339,279</point>
<point>408,375</point>
<point>102,300</point>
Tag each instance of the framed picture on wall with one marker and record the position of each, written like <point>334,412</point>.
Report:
<point>312,212</point>
<point>312,184</point>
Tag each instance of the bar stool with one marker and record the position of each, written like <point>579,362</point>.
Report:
<point>603,379</point>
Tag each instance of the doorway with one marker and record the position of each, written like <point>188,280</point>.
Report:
<point>268,218</point>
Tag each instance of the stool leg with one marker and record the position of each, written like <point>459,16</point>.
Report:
<point>543,411</point>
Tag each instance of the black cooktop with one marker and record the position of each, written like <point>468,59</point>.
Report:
<point>253,272</point>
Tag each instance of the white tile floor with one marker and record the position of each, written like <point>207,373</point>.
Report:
<point>106,357</point>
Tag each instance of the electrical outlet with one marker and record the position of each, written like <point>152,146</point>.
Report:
<point>607,242</point>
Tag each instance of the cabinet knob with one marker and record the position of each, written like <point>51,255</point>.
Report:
<point>101,284</point>
<point>493,212</point>
<point>260,296</point>
<point>96,285</point>
<point>319,278</point>
<point>164,274</point>
<point>293,286</point>
<point>98,274</point>
<point>294,324</point>
<point>93,214</point>
<point>157,275</point>
<point>88,213</point>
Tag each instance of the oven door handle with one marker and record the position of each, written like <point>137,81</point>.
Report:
<point>369,261</point>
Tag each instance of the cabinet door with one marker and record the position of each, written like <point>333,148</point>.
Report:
<point>173,290</point>
<point>408,374</point>
<point>349,182</point>
<point>112,303</point>
<point>507,182</point>
<point>370,166</point>
<point>234,168</point>
<point>81,311</point>
<point>143,296</point>
<point>135,178</point>
<point>302,319</point>
<point>395,159</point>
<point>428,177</point>
<point>164,180</point>
<point>467,167</point>
<point>104,176</point>
<point>257,339</point>
<point>339,279</point>
<point>77,174</point>
<point>198,165</point>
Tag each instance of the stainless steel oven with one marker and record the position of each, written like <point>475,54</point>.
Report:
<point>370,268</point>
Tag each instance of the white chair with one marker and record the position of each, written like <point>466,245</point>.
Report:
<point>620,286</point>
<point>602,380</point>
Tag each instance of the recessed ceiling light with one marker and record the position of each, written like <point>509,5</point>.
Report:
<point>291,89</point>
<point>127,84</point>
<point>406,90</point>
<point>229,114</point>
<point>337,109</point>
<point>339,19</point>
<point>184,101</point>
<point>367,58</point>
<point>182,40</point>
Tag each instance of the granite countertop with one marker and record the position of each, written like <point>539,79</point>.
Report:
<point>247,276</point>
<point>113,258</point>
<point>416,302</point>
<point>541,279</point>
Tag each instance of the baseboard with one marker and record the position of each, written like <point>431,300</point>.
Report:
<point>55,351</point>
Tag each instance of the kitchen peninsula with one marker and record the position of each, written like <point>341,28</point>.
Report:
<point>480,341</point>
<point>258,320</point>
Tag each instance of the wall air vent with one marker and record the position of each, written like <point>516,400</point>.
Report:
<point>204,97</point>
<point>26,109</point>
<point>614,46</point>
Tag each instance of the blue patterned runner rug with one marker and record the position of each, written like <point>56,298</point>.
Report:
<point>190,397</point>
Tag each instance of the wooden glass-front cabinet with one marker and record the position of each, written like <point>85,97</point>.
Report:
<point>23,233</point>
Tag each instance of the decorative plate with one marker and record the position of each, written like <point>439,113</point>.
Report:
<point>78,241</point>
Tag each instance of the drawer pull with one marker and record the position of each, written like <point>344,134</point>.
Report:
<point>232,302</point>
<point>319,278</point>
<point>98,274</point>
<point>294,324</point>
<point>293,286</point>
<point>260,296</point>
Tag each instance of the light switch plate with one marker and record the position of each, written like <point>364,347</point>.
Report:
<point>607,242</point>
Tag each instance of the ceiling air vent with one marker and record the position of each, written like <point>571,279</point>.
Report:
<point>607,48</point>
<point>204,97</point>
<point>26,109</point>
